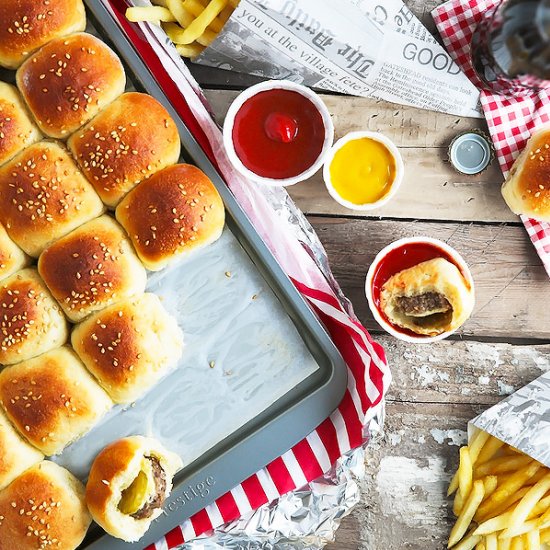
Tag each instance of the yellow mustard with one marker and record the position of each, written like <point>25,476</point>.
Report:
<point>362,171</point>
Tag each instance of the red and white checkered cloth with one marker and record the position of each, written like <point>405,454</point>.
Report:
<point>511,121</point>
<point>368,373</point>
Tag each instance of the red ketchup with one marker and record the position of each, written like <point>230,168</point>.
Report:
<point>278,134</point>
<point>398,259</point>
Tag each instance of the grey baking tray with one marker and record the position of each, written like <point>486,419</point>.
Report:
<point>291,417</point>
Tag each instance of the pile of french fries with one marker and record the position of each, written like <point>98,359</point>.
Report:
<point>502,499</point>
<point>192,25</point>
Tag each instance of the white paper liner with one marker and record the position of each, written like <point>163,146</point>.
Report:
<point>231,319</point>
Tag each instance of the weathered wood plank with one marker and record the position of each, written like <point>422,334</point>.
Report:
<point>511,285</point>
<point>423,137</point>
<point>461,371</point>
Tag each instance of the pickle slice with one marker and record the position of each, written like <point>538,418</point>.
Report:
<point>135,496</point>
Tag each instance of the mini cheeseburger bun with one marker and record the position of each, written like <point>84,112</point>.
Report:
<point>128,484</point>
<point>43,509</point>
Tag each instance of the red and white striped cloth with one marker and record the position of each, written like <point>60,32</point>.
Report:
<point>511,121</point>
<point>368,373</point>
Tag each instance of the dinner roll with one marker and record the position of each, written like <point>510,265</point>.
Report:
<point>527,187</point>
<point>52,399</point>
<point>43,196</point>
<point>31,321</point>
<point>68,81</point>
<point>91,268</point>
<point>16,455</point>
<point>129,346</point>
<point>17,130</point>
<point>43,509</point>
<point>26,25</point>
<point>128,484</point>
<point>12,258</point>
<point>127,142</point>
<point>175,211</point>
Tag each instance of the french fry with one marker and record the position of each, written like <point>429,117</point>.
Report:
<point>465,473</point>
<point>517,544</point>
<point>195,29</point>
<point>491,541</point>
<point>544,520</point>
<point>175,32</point>
<point>196,8</point>
<point>502,464</point>
<point>490,483</point>
<point>183,17</point>
<point>504,544</point>
<point>468,542</point>
<point>458,503</point>
<point>545,536</point>
<point>501,522</point>
<point>489,450</point>
<point>512,484</point>
<point>476,444</point>
<point>528,502</point>
<point>481,546</point>
<point>532,540</point>
<point>149,13</point>
<point>531,525</point>
<point>189,50</point>
<point>506,506</point>
<point>466,515</point>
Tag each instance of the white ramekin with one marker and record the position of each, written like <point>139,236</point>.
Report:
<point>399,169</point>
<point>389,328</point>
<point>276,85</point>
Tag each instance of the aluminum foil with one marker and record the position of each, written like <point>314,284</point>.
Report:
<point>522,420</point>
<point>306,519</point>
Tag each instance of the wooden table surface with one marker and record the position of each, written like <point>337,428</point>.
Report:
<point>437,388</point>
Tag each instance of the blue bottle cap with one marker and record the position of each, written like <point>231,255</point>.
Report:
<point>471,152</point>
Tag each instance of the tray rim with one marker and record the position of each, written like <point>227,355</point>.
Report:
<point>276,430</point>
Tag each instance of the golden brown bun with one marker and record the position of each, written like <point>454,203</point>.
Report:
<point>16,455</point>
<point>129,346</point>
<point>52,399</point>
<point>43,196</point>
<point>527,187</point>
<point>113,471</point>
<point>68,81</point>
<point>175,211</point>
<point>91,268</point>
<point>26,25</point>
<point>17,130</point>
<point>31,321</point>
<point>43,509</point>
<point>452,304</point>
<point>131,139</point>
<point>12,258</point>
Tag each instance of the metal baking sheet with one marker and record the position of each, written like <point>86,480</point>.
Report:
<point>275,376</point>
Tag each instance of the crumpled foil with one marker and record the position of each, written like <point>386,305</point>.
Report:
<point>522,419</point>
<point>305,519</point>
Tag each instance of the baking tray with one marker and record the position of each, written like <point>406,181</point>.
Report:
<point>274,430</point>
<point>294,415</point>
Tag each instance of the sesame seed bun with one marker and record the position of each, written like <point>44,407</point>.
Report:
<point>114,471</point>
<point>129,346</point>
<point>42,509</point>
<point>52,399</point>
<point>31,321</point>
<point>91,268</point>
<point>527,187</point>
<point>17,129</point>
<point>174,212</point>
<point>26,25</point>
<point>131,139</point>
<point>12,258</point>
<point>68,81</point>
<point>16,455</point>
<point>43,196</point>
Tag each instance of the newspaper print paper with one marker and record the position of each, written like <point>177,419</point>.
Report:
<point>523,419</point>
<point>358,47</point>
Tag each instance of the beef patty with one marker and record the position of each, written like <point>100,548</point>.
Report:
<point>156,500</point>
<point>423,304</point>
